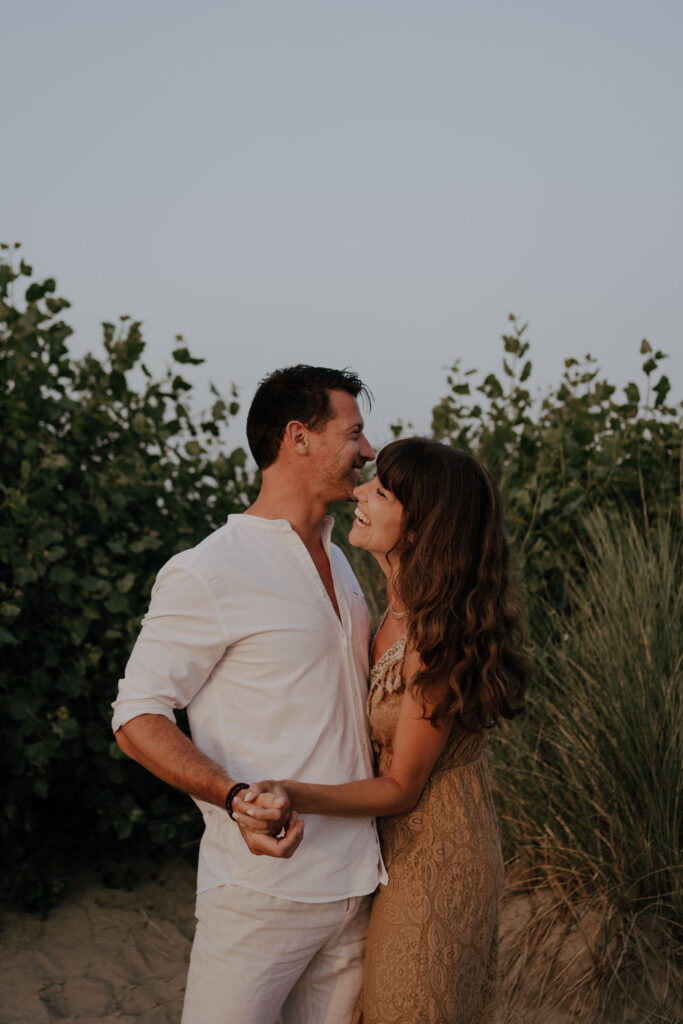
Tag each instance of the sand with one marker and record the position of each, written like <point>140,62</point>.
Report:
<point>103,954</point>
<point>114,956</point>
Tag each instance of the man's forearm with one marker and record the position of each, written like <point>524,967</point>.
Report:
<point>158,745</point>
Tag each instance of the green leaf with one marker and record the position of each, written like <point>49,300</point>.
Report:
<point>662,389</point>
<point>78,629</point>
<point>491,387</point>
<point>6,637</point>
<point>182,355</point>
<point>546,503</point>
<point>126,582</point>
<point>62,574</point>
<point>150,542</point>
<point>117,603</point>
<point>55,553</point>
<point>65,728</point>
<point>40,789</point>
<point>25,574</point>
<point>55,461</point>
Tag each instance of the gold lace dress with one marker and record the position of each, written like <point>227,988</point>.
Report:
<point>433,936</point>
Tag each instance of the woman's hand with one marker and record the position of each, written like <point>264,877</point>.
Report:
<point>417,746</point>
<point>264,807</point>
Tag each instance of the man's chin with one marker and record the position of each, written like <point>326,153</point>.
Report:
<point>341,497</point>
<point>344,487</point>
<point>346,490</point>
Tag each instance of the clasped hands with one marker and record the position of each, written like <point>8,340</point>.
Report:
<point>266,820</point>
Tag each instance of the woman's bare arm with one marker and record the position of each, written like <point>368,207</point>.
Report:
<point>417,745</point>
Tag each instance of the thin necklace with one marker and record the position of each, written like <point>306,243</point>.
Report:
<point>397,615</point>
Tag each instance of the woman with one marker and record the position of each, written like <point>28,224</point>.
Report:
<point>447,663</point>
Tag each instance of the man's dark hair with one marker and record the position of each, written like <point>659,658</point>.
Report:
<point>294,393</point>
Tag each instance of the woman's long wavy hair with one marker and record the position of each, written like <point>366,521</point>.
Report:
<point>452,575</point>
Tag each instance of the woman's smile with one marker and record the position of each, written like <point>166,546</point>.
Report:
<point>377,520</point>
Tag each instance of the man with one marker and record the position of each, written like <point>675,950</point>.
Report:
<point>261,631</point>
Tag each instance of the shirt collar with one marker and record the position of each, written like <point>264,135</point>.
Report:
<point>260,522</point>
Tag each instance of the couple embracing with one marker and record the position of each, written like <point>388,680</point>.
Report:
<point>303,735</point>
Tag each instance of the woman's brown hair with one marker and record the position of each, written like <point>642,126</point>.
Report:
<point>452,576</point>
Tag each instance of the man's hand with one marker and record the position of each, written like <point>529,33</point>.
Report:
<point>159,745</point>
<point>265,807</point>
<point>262,843</point>
<point>264,812</point>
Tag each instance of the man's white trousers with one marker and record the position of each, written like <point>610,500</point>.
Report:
<point>255,956</point>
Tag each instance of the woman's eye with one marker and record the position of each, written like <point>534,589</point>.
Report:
<point>381,492</point>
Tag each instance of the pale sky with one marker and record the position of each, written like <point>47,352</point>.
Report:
<point>365,184</point>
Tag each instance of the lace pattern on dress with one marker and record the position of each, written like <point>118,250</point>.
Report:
<point>432,941</point>
<point>392,682</point>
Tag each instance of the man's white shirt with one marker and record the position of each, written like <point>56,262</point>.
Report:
<point>241,631</point>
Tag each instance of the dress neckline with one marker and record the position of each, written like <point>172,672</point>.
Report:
<point>385,658</point>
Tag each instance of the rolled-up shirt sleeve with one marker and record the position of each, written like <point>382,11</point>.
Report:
<point>181,639</point>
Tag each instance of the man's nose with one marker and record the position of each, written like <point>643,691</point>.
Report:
<point>366,451</point>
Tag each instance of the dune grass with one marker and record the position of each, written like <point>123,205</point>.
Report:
<point>589,782</point>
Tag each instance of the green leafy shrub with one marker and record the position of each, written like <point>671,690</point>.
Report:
<point>582,446</point>
<point>100,483</point>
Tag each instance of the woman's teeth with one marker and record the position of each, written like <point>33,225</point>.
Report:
<point>361,518</point>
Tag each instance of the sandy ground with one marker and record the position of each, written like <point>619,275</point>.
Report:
<point>104,955</point>
<point>114,956</point>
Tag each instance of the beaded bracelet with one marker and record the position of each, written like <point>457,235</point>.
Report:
<point>232,794</point>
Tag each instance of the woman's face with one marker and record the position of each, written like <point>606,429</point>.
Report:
<point>377,524</point>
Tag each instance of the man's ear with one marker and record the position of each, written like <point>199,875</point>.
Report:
<point>296,437</point>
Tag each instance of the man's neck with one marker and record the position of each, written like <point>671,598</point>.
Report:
<point>302,510</point>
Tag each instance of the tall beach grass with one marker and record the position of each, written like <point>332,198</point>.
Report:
<point>589,784</point>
